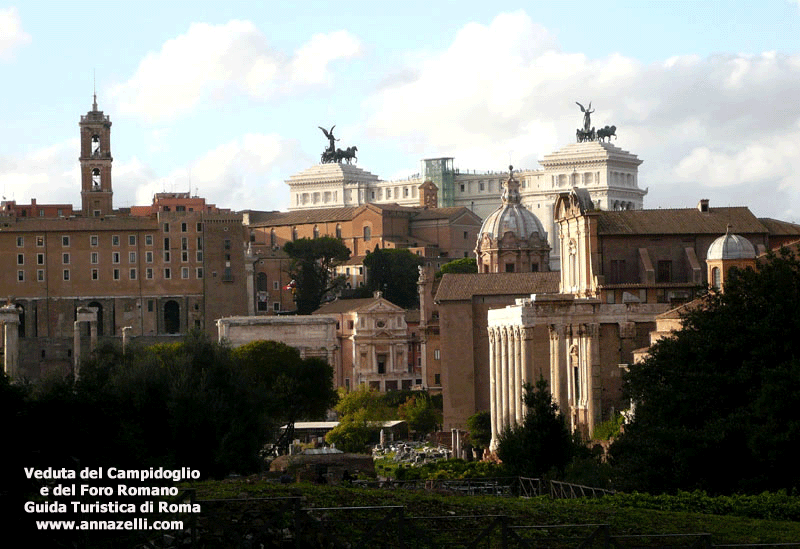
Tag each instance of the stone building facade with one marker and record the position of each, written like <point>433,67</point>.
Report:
<point>159,270</point>
<point>376,345</point>
<point>606,172</point>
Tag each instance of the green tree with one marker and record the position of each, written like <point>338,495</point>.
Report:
<point>420,413</point>
<point>291,387</point>
<point>480,429</point>
<point>361,414</point>
<point>464,265</point>
<point>722,390</point>
<point>542,444</point>
<point>394,272</point>
<point>312,269</point>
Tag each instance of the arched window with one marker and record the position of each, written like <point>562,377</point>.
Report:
<point>367,232</point>
<point>316,231</point>
<point>95,145</point>
<point>716,281</point>
<point>338,231</point>
<point>172,317</point>
<point>294,233</point>
<point>96,178</point>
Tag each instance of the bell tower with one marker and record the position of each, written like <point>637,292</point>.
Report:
<point>95,163</point>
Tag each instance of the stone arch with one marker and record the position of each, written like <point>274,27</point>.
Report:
<point>172,317</point>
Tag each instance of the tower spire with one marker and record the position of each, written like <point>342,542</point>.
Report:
<point>94,90</point>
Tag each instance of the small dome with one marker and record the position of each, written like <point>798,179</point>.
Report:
<point>731,246</point>
<point>512,216</point>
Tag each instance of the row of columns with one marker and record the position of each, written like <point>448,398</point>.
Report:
<point>508,371</point>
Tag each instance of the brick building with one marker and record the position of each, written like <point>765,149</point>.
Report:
<point>161,269</point>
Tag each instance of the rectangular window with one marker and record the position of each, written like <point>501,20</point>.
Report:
<point>226,244</point>
<point>166,227</point>
<point>131,257</point>
<point>115,257</point>
<point>40,241</point>
<point>65,259</point>
<point>94,258</point>
<point>465,235</point>
<point>40,275</point>
<point>40,259</point>
<point>148,257</point>
<point>199,242</point>
<point>131,240</point>
<point>664,271</point>
<point>227,275</point>
<point>115,240</point>
<point>184,272</point>
<point>184,243</point>
<point>148,274</point>
<point>20,259</point>
<point>275,285</point>
<point>166,243</point>
<point>199,255</point>
<point>65,241</point>
<point>66,274</point>
<point>93,240</point>
<point>436,354</point>
<point>95,274</point>
<point>116,274</point>
<point>199,272</point>
<point>184,227</point>
<point>617,274</point>
<point>150,305</point>
<point>184,257</point>
<point>20,276</point>
<point>167,273</point>
<point>437,379</point>
<point>20,241</point>
<point>166,257</point>
<point>481,185</point>
<point>132,274</point>
<point>148,240</point>
<point>276,306</point>
<point>199,227</point>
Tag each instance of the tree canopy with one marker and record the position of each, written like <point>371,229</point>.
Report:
<point>722,390</point>
<point>465,265</point>
<point>394,272</point>
<point>312,269</point>
<point>361,412</point>
<point>542,444</point>
<point>194,403</point>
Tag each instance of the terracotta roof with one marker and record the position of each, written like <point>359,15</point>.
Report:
<point>444,213</point>
<point>301,217</point>
<point>780,228</point>
<point>455,287</point>
<point>679,221</point>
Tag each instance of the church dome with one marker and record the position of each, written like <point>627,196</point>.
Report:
<point>731,246</point>
<point>512,216</point>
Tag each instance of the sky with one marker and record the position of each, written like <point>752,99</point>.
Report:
<point>224,99</point>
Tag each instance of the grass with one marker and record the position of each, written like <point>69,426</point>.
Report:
<point>621,518</point>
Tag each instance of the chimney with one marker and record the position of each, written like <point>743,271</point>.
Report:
<point>703,205</point>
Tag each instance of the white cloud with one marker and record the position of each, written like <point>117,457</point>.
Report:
<point>217,62</point>
<point>51,175</point>
<point>717,121</point>
<point>241,174</point>
<point>11,34</point>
